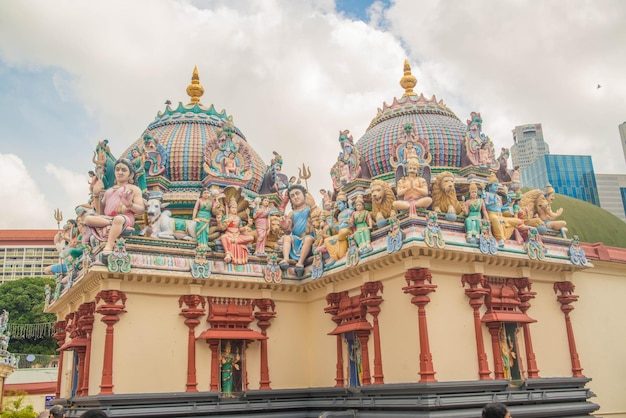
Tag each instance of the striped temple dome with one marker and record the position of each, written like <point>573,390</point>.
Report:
<point>184,133</point>
<point>432,121</point>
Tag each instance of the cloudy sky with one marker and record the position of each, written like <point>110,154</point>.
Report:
<point>292,74</point>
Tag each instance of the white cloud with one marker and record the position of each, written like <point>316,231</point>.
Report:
<point>292,74</point>
<point>23,204</point>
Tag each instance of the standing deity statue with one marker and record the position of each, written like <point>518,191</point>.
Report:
<point>299,233</point>
<point>502,227</point>
<point>348,165</point>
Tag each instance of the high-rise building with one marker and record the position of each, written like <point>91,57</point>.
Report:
<point>25,252</point>
<point>528,145</point>
<point>622,135</point>
<point>570,175</point>
<point>612,193</point>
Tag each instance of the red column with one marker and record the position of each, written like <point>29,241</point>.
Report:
<point>416,285</point>
<point>566,298</point>
<point>525,295</point>
<point>263,316</point>
<point>333,300</point>
<point>110,311</point>
<point>476,295</point>
<point>85,324</point>
<point>59,335</point>
<point>494,330</point>
<point>371,299</point>
<point>214,345</point>
<point>366,378</point>
<point>80,352</point>
<point>191,313</point>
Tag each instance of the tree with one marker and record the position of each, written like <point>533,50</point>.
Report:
<point>15,408</point>
<point>24,299</point>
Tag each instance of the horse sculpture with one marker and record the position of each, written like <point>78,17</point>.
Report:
<point>163,225</point>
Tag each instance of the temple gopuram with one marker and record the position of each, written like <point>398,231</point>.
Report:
<point>200,280</point>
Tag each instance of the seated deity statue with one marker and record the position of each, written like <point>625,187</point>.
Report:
<point>412,190</point>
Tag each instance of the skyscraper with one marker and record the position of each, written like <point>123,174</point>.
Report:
<point>570,175</point>
<point>528,145</point>
<point>612,193</point>
<point>622,135</point>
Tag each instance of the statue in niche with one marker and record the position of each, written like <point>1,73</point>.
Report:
<point>229,364</point>
<point>409,146</point>
<point>348,165</point>
<point>227,156</point>
<point>156,157</point>
<point>480,149</point>
<point>362,224</point>
<point>473,209</point>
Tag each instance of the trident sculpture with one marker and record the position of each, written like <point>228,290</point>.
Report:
<point>305,173</point>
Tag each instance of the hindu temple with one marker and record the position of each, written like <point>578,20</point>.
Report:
<point>203,281</point>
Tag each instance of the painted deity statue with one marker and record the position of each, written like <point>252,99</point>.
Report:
<point>337,244</point>
<point>104,161</point>
<point>155,155</point>
<point>227,156</point>
<point>410,146</point>
<point>412,190</point>
<point>261,217</point>
<point>348,165</point>
<point>202,215</point>
<point>362,224</point>
<point>549,217</point>
<point>228,362</point>
<point>233,240</point>
<point>502,227</point>
<point>299,234</point>
<point>138,160</point>
<point>473,209</point>
<point>96,189</point>
<point>480,149</point>
<point>121,203</point>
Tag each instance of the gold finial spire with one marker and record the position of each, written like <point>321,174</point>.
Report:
<point>195,89</point>
<point>408,81</point>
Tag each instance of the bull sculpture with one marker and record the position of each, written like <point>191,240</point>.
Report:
<point>163,225</point>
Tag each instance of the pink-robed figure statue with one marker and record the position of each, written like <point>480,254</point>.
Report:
<point>120,203</point>
<point>261,223</point>
<point>234,242</point>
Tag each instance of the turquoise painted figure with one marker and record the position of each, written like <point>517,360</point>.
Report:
<point>202,216</point>
<point>229,362</point>
<point>299,234</point>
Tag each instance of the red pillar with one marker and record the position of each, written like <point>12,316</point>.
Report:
<point>263,316</point>
<point>191,313</point>
<point>416,285</point>
<point>494,330</point>
<point>525,295</point>
<point>371,299</point>
<point>476,295</point>
<point>566,298</point>
<point>333,300</point>
<point>214,345</point>
<point>85,325</point>
<point>363,336</point>
<point>80,352</point>
<point>110,311</point>
<point>59,335</point>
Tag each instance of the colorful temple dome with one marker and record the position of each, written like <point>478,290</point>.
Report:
<point>193,146</point>
<point>435,132</point>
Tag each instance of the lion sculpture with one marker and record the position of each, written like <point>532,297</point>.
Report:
<point>529,204</point>
<point>382,199</point>
<point>444,194</point>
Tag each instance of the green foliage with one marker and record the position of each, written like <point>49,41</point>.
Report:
<point>24,299</point>
<point>15,408</point>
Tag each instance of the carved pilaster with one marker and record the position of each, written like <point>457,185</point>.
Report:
<point>59,335</point>
<point>371,299</point>
<point>525,294</point>
<point>333,300</point>
<point>191,314</point>
<point>263,316</point>
<point>110,311</point>
<point>416,285</point>
<point>84,323</point>
<point>476,295</point>
<point>565,297</point>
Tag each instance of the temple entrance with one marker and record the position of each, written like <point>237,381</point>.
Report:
<point>231,367</point>
<point>354,359</point>
<point>509,351</point>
